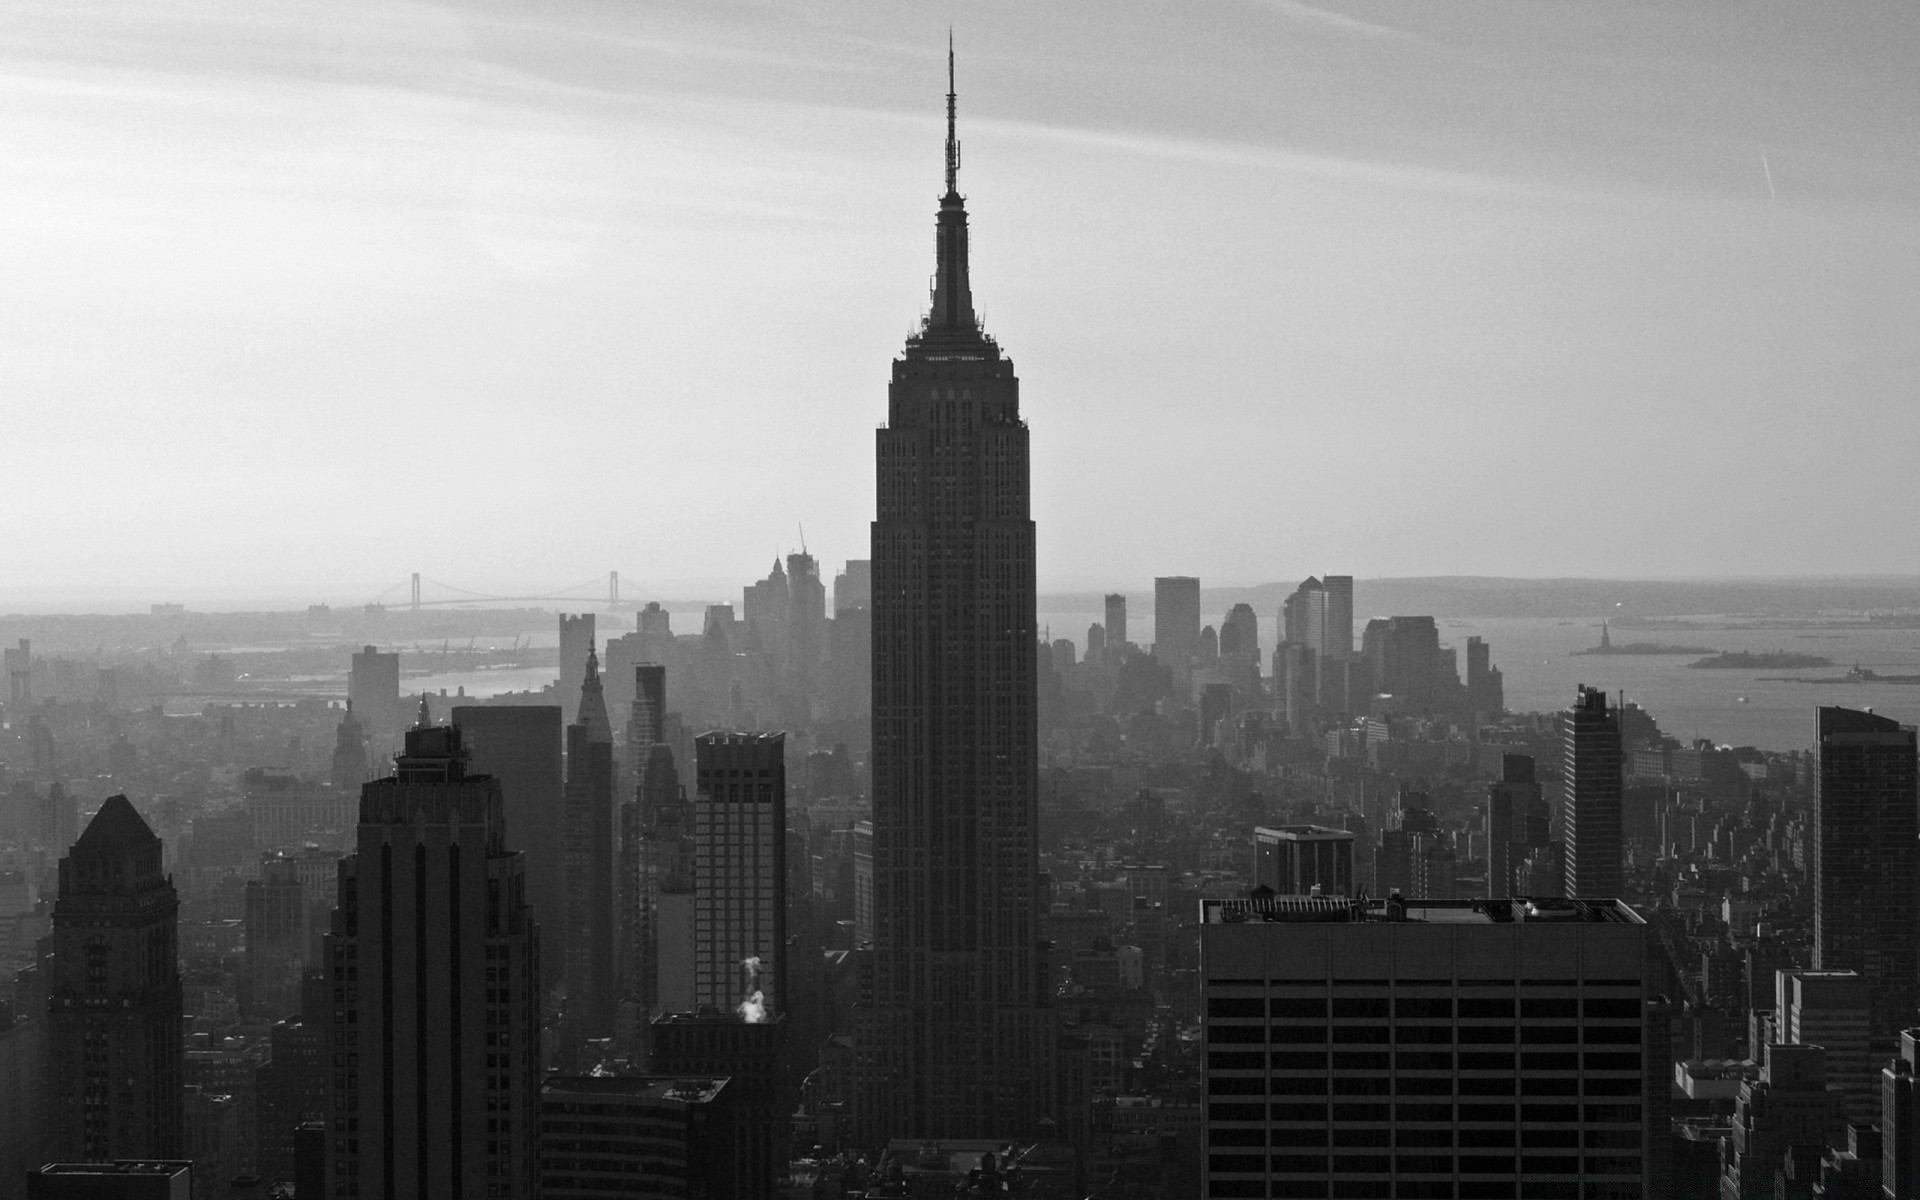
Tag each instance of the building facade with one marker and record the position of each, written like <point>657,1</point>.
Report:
<point>115,1059</point>
<point>1591,772</point>
<point>433,961</point>
<point>522,746</point>
<point>1432,1048</point>
<point>1866,863</point>
<point>954,1037</point>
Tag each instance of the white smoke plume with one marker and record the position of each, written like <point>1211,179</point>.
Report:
<point>753,1009</point>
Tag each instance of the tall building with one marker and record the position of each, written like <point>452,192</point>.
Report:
<point>1516,822</point>
<point>434,960</point>
<point>592,988</point>
<point>1338,635</point>
<point>521,747</point>
<point>955,1037</point>
<point>19,664</point>
<point>1116,618</point>
<point>1411,1048</point>
<point>853,586</point>
<point>114,1055</point>
<point>1791,1105</point>
<point>1866,867</point>
<point>373,695</point>
<point>1486,686</point>
<point>638,1135</point>
<point>348,769</point>
<point>1832,1010</point>
<point>1900,1121</point>
<point>1591,772</point>
<point>806,623</point>
<point>576,642</point>
<point>1300,860</point>
<point>1176,620</point>
<point>740,873</point>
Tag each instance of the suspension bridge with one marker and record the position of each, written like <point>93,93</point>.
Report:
<point>421,592</point>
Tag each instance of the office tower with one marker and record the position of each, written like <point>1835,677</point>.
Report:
<point>853,586</point>
<point>1293,684</point>
<point>806,620</point>
<point>747,1054</point>
<point>294,1084</point>
<point>435,958</point>
<point>1409,1048</point>
<point>766,608</point>
<point>348,769</point>
<point>373,695</point>
<point>1303,618</point>
<point>1486,687</point>
<point>588,839</point>
<point>19,664</point>
<point>1900,1121</point>
<point>954,1038</point>
<point>121,1179</point>
<point>654,621</point>
<point>1176,620</point>
<point>1116,619</point>
<point>23,1077</point>
<point>1832,1009</point>
<point>576,642</point>
<point>1590,771</point>
<point>648,723</point>
<point>740,873</point>
<point>1240,636</point>
<point>114,1055</point>
<point>521,747</point>
<point>1403,654</point>
<point>1337,633</point>
<point>59,815</point>
<point>1302,860</point>
<point>1516,821</point>
<point>278,923</point>
<point>637,1135</point>
<point>1096,641</point>
<point>1866,912</point>
<point>1792,1104</point>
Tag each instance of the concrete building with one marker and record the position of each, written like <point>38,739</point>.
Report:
<point>1591,772</point>
<point>955,1037</point>
<point>1833,1010</point>
<point>435,959</point>
<point>1176,621</point>
<point>1116,620</point>
<point>587,834</point>
<point>1866,863</point>
<point>1417,1047</point>
<point>114,1050</point>
<point>1301,860</point>
<point>576,642</point>
<point>373,693</point>
<point>637,1135</point>
<point>740,873</point>
<point>522,746</point>
<point>123,1179</point>
<point>1791,1105</point>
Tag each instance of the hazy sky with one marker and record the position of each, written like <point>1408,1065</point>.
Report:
<point>302,295</point>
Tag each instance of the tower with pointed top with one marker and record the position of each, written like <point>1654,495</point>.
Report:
<point>114,1046</point>
<point>955,1038</point>
<point>592,992</point>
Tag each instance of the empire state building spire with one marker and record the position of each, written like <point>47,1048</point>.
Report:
<point>952,308</point>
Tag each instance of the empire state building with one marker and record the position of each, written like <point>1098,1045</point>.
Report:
<point>954,1037</point>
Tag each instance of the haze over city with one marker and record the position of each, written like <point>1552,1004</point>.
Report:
<point>311,296</point>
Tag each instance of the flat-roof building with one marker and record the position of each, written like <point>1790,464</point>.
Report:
<point>1301,860</point>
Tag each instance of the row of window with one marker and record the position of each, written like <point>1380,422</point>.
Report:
<point>1433,1008</point>
<point>1422,1060</point>
<point>1424,1164</point>
<point>1592,1114</point>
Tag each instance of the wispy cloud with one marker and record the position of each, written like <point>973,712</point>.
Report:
<point>1328,19</point>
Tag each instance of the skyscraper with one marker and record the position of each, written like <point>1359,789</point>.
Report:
<point>520,745</point>
<point>740,873</point>
<point>1591,773</point>
<point>1116,620</point>
<point>1866,868</point>
<point>576,639</point>
<point>373,693</point>
<point>592,991</point>
<point>434,963</point>
<point>1338,638</point>
<point>114,1051</point>
<point>1176,620</point>
<point>955,1038</point>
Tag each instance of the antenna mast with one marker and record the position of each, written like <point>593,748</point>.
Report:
<point>953,142</point>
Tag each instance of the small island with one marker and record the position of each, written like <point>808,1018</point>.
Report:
<point>1606,646</point>
<point>1771,660</point>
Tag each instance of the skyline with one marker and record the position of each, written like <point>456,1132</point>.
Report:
<point>273,264</point>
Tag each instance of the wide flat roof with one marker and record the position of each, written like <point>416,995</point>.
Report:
<point>1340,910</point>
